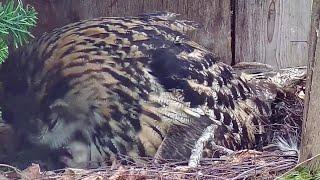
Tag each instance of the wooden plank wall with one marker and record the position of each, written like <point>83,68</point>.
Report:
<point>214,15</point>
<point>272,31</point>
<point>268,31</point>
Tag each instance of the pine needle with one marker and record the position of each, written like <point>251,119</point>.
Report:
<point>3,51</point>
<point>15,22</point>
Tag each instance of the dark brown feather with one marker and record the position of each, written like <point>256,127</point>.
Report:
<point>111,86</point>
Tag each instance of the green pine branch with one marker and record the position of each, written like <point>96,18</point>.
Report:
<point>15,22</point>
<point>3,51</point>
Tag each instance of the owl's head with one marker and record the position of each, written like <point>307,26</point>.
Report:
<point>41,116</point>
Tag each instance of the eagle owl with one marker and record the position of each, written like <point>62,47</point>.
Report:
<point>133,86</point>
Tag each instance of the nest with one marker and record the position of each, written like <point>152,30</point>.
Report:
<point>286,120</point>
<point>245,164</point>
<point>287,116</point>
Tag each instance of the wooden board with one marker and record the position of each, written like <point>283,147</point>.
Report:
<point>214,15</point>
<point>272,31</point>
<point>310,126</point>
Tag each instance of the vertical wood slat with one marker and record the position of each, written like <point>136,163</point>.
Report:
<point>214,15</point>
<point>272,31</point>
<point>309,149</point>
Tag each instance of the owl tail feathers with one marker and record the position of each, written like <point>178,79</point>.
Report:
<point>180,140</point>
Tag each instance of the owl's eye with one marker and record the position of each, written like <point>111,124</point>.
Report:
<point>53,121</point>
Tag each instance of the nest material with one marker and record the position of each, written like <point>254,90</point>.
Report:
<point>244,164</point>
<point>287,110</point>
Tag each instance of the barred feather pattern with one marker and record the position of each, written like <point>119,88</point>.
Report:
<point>121,85</point>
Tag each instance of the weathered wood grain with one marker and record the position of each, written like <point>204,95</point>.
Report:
<point>272,31</point>
<point>214,15</point>
<point>310,126</point>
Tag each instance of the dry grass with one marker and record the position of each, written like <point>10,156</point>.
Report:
<point>242,164</point>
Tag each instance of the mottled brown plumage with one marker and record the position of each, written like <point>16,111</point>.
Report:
<point>109,86</point>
